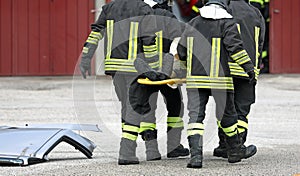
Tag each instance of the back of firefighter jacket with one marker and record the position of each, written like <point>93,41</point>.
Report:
<point>206,45</point>
<point>129,28</point>
<point>251,26</point>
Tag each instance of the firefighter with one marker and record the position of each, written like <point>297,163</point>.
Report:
<point>206,45</point>
<point>263,6</point>
<point>130,33</point>
<point>168,28</point>
<point>252,28</point>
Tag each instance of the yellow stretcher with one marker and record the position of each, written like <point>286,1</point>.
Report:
<point>166,81</point>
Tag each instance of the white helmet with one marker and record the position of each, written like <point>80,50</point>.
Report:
<point>151,3</point>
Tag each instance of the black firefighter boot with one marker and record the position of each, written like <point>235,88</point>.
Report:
<point>150,138</point>
<point>195,143</point>
<point>127,153</point>
<point>236,151</point>
<point>221,150</point>
<point>174,148</point>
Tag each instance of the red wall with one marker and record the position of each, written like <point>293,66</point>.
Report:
<point>285,36</point>
<point>42,37</point>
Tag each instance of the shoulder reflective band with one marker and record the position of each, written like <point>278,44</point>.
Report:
<point>215,57</point>
<point>109,33</point>
<point>133,38</point>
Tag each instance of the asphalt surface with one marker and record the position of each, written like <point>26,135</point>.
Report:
<point>273,127</point>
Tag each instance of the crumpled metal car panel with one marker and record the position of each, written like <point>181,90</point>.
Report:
<point>24,146</point>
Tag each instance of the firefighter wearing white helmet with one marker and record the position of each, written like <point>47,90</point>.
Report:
<point>206,45</point>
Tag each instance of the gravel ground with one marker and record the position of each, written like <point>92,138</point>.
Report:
<point>273,128</point>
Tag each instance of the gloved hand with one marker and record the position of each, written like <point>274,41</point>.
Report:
<point>87,55</point>
<point>88,51</point>
<point>155,76</point>
<point>251,75</point>
<point>85,66</point>
<point>179,69</point>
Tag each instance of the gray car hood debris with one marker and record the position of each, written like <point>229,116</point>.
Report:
<point>31,144</point>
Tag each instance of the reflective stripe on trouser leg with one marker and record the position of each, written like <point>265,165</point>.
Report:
<point>175,122</point>
<point>144,126</point>
<point>229,131</point>
<point>130,132</point>
<point>195,128</point>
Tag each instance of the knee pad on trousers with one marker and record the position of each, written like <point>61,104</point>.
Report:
<point>149,135</point>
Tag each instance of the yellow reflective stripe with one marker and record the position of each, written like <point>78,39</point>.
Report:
<point>124,65</point>
<point>208,79</point>
<point>215,57</point>
<point>129,136</point>
<point>190,41</point>
<point>210,86</point>
<point>207,82</point>
<point>241,130</point>
<point>238,27</point>
<point>133,35</point>
<point>150,54</point>
<point>242,124</point>
<point>243,60</point>
<point>195,125</point>
<point>97,35</point>
<point>239,55</point>
<point>176,124</point>
<point>85,50</point>
<point>123,125</point>
<point>237,70</point>
<point>109,33</point>
<point>149,48</point>
<point>131,128</point>
<point>264,54</point>
<point>261,2</point>
<point>219,124</point>
<point>92,41</point>
<point>159,43</point>
<point>194,132</point>
<point>146,126</point>
<point>174,119</point>
<point>257,32</point>
<point>195,9</point>
<point>230,131</point>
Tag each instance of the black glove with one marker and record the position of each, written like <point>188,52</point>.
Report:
<point>85,66</point>
<point>152,75</point>
<point>251,75</point>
